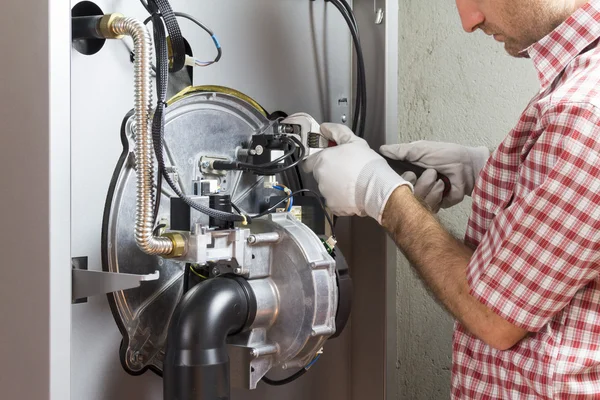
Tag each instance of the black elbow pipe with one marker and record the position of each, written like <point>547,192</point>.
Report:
<point>196,365</point>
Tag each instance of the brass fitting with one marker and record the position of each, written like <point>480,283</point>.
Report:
<point>178,241</point>
<point>106,25</point>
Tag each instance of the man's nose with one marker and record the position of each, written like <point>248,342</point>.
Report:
<point>470,15</point>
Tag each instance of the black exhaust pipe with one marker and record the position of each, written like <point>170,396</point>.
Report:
<point>196,365</point>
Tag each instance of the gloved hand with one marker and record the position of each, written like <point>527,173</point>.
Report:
<point>353,178</point>
<point>461,164</point>
<point>428,188</point>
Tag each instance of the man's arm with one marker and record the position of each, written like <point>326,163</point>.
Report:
<point>441,261</point>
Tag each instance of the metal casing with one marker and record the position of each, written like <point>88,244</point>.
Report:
<point>297,295</point>
<point>197,124</point>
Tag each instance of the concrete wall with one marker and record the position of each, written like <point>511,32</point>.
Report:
<point>460,88</point>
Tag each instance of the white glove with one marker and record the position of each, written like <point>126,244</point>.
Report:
<point>354,179</point>
<point>460,164</point>
<point>428,188</point>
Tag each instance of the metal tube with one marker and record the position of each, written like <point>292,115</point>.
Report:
<point>86,27</point>
<point>260,238</point>
<point>114,26</point>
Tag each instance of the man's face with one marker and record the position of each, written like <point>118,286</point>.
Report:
<point>516,23</point>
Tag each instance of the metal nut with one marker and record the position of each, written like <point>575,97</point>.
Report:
<point>178,241</point>
<point>106,25</point>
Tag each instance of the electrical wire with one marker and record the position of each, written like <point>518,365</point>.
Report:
<point>197,62</point>
<point>311,192</point>
<point>186,277</point>
<point>158,123</point>
<point>207,30</point>
<point>270,168</point>
<point>293,377</point>
<point>161,10</point>
<point>287,191</point>
<point>158,196</point>
<point>198,274</point>
<point>288,154</point>
<point>360,106</point>
<point>278,170</point>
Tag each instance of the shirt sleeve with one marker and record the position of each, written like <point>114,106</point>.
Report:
<point>545,246</point>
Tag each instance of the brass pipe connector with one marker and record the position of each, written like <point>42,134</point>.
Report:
<point>106,26</point>
<point>178,241</point>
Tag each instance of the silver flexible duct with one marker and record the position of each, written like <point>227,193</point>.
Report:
<point>144,161</point>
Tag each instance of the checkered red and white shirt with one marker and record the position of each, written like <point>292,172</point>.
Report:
<point>535,224</point>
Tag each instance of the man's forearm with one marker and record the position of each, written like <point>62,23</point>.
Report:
<point>441,261</point>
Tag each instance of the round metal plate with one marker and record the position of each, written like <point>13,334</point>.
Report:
<point>199,124</point>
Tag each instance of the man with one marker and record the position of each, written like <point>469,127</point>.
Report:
<point>524,286</point>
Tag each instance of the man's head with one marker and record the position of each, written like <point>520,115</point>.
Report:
<point>516,23</point>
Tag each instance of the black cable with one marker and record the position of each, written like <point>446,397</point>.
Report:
<point>313,193</point>
<point>360,106</point>
<point>293,377</point>
<point>145,4</point>
<point>288,154</point>
<point>260,169</point>
<point>186,277</point>
<point>158,122</point>
<point>361,83</point>
<point>204,27</point>
<point>297,175</point>
<point>177,43</point>
<point>279,170</point>
<point>159,180</point>
<point>285,381</point>
<point>208,30</point>
<point>194,20</point>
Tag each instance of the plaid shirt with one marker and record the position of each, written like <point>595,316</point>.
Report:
<point>535,228</point>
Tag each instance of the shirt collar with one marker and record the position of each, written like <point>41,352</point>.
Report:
<point>552,53</point>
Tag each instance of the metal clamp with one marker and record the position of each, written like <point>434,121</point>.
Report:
<point>87,283</point>
<point>379,13</point>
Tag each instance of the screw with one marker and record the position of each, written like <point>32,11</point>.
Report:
<point>344,118</point>
<point>205,164</point>
<point>379,14</point>
<point>216,271</point>
<point>251,239</point>
<point>259,149</point>
<point>238,271</point>
<point>254,353</point>
<point>135,357</point>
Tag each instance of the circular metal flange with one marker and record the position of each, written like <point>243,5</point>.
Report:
<point>197,124</point>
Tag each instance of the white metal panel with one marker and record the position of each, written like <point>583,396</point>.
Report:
<point>59,46</point>
<point>34,159</point>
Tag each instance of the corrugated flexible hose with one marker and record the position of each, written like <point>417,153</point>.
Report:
<point>144,163</point>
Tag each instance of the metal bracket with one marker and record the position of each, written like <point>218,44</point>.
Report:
<point>87,283</point>
<point>379,13</point>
